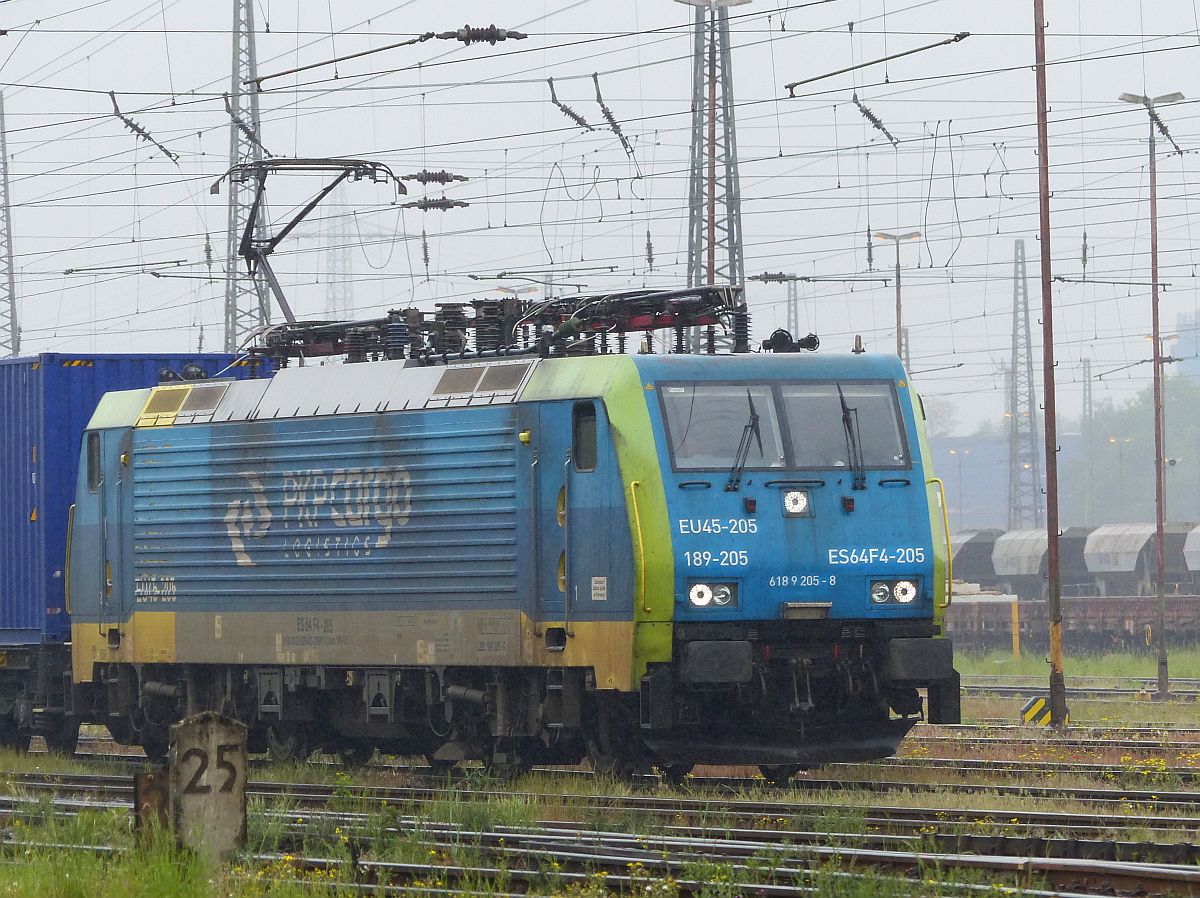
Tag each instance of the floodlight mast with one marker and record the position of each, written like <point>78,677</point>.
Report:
<point>896,238</point>
<point>1163,691</point>
<point>255,246</point>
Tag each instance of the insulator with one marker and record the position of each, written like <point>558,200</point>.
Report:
<point>621,342</point>
<point>396,335</point>
<point>425,176</point>
<point>489,35</point>
<point>604,342</point>
<point>416,330</point>
<point>679,339</point>
<point>425,250</point>
<point>488,326</point>
<point>649,251</point>
<point>452,327</point>
<point>436,204</point>
<point>524,334</point>
<point>710,342</point>
<point>356,346</point>
<point>741,331</point>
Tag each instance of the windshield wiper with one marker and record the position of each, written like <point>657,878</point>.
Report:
<point>853,442</point>
<point>743,451</point>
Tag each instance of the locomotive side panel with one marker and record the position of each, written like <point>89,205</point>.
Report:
<point>383,539</point>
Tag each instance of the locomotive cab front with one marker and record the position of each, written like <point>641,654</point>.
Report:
<point>810,553</point>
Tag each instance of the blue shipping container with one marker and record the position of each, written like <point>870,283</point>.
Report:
<point>46,402</point>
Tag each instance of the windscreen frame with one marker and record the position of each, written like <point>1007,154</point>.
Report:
<point>661,388</point>
<point>897,410</point>
<point>785,426</point>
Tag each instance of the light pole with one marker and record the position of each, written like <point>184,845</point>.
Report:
<point>958,454</point>
<point>1120,442</point>
<point>1156,125</point>
<point>896,238</point>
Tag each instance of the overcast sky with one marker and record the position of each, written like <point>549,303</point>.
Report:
<point>547,195</point>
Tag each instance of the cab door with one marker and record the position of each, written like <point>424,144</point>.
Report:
<point>585,569</point>
<point>115,600</point>
<point>553,486</point>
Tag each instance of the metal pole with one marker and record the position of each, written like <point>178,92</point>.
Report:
<point>1058,684</point>
<point>1164,685</point>
<point>899,320</point>
<point>10,331</point>
<point>712,149</point>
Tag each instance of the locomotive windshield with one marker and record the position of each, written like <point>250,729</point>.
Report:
<point>706,421</point>
<point>814,413</point>
<point>800,425</point>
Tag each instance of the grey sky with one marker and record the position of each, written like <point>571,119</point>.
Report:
<point>546,194</point>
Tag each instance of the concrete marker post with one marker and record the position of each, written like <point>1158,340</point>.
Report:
<point>208,784</point>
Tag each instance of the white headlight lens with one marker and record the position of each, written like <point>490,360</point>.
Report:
<point>880,592</point>
<point>905,591</point>
<point>700,595</point>
<point>795,502</point>
<point>722,594</point>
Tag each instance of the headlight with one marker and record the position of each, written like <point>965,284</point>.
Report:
<point>713,595</point>
<point>881,591</point>
<point>795,503</point>
<point>905,591</point>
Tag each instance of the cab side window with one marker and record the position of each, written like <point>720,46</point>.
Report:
<point>95,473</point>
<point>583,436</point>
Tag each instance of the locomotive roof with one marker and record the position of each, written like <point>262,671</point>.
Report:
<point>400,385</point>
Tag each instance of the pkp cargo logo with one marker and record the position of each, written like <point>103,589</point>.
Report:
<point>346,512</point>
<point>248,519</point>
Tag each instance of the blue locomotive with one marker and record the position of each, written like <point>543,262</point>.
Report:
<point>529,555</point>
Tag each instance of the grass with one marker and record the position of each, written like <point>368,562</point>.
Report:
<point>1184,662</point>
<point>152,866</point>
<point>1084,712</point>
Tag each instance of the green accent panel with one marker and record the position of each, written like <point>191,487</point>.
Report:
<point>616,381</point>
<point>652,642</point>
<point>118,409</point>
<point>937,522</point>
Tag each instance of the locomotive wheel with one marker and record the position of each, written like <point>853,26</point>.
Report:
<point>507,770</point>
<point>64,738</point>
<point>507,762</point>
<point>604,749</point>
<point>355,753</point>
<point>287,744</point>
<point>605,763</point>
<point>675,774</point>
<point>12,736</point>
<point>779,774</point>
<point>439,765</point>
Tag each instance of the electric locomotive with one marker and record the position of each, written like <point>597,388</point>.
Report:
<point>529,556</point>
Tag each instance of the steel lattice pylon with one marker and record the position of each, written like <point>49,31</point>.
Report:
<point>1025,506</point>
<point>715,199</point>
<point>338,266</point>
<point>246,308</point>
<point>10,326</point>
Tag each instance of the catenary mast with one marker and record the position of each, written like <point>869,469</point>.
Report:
<point>246,309</point>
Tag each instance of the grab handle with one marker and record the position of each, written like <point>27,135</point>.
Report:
<point>949,550</point>
<point>637,519</point>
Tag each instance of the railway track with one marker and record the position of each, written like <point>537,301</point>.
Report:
<point>553,853</point>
